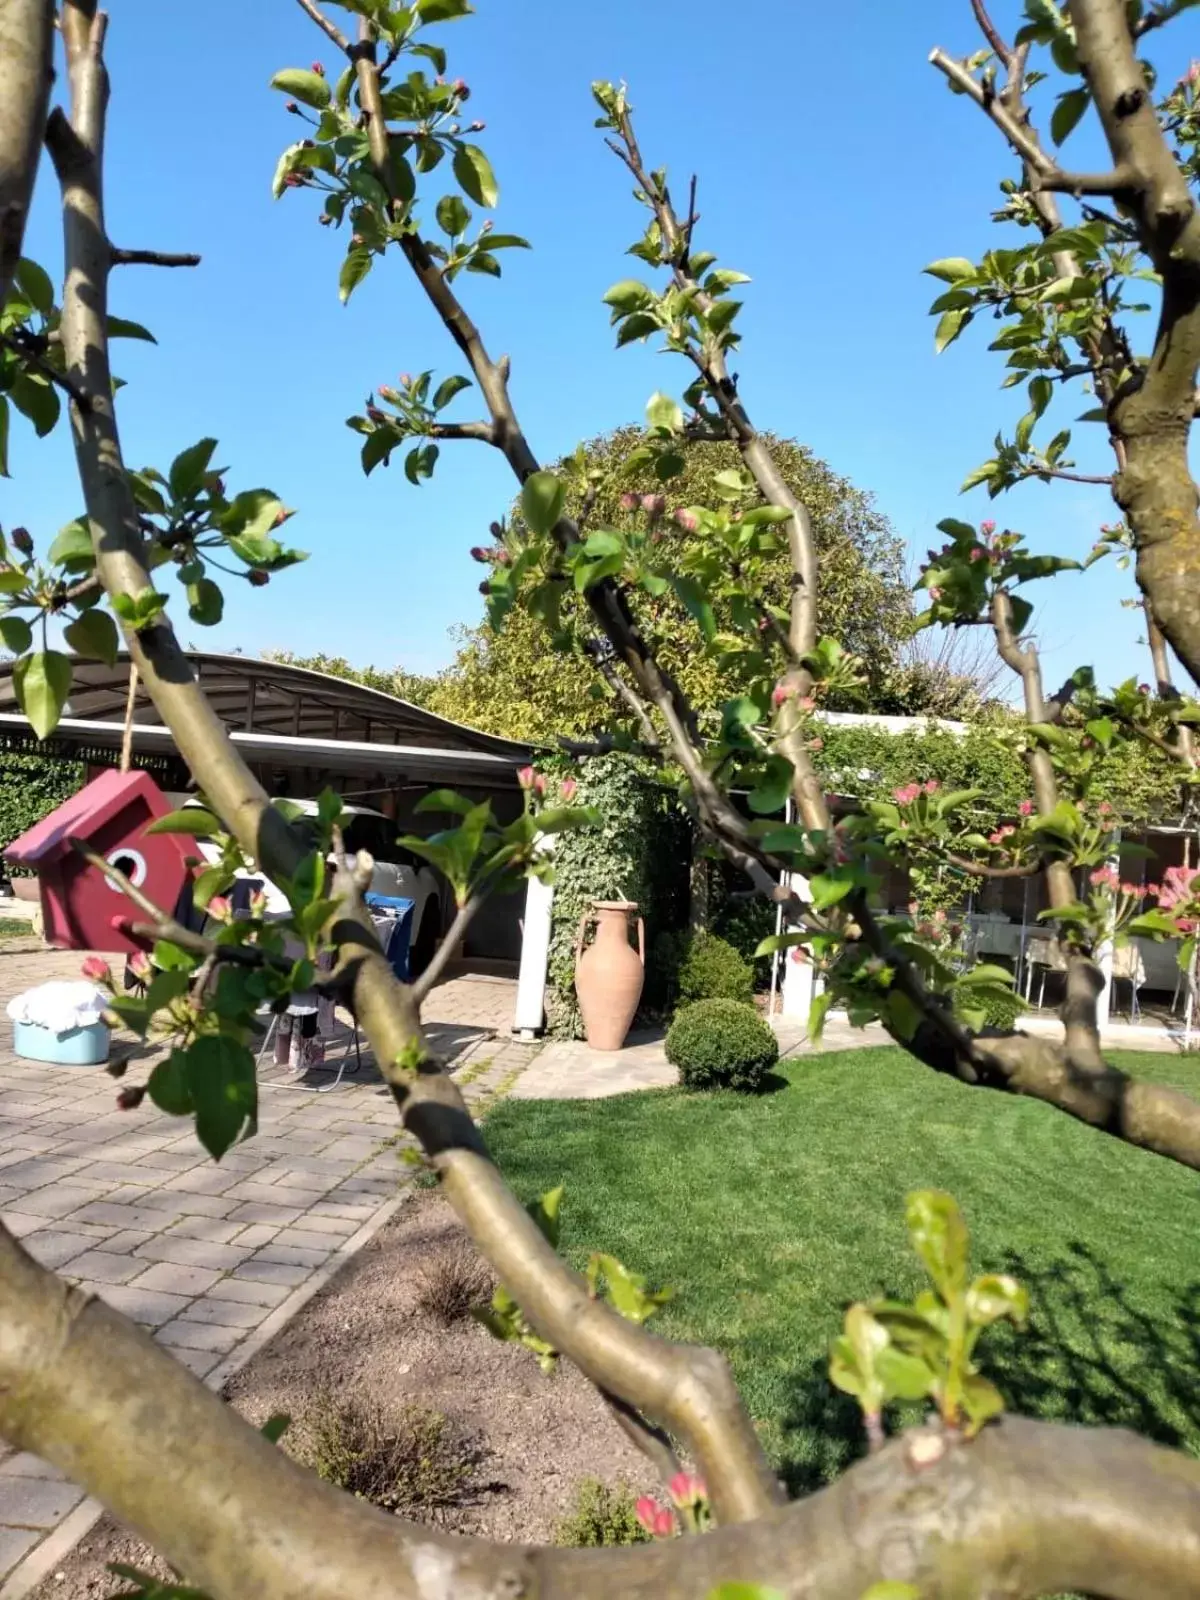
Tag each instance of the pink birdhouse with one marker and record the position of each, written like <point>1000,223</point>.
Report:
<point>81,908</point>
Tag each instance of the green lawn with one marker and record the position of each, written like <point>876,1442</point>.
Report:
<point>768,1215</point>
<point>13,928</point>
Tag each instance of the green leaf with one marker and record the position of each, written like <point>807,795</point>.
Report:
<point>189,467</point>
<point>981,1400</point>
<point>697,604</point>
<point>38,400</point>
<point>377,447</point>
<point>996,1296</point>
<point>15,634</point>
<point>892,1589</point>
<point>94,635</point>
<point>72,547</point>
<point>951,269</point>
<point>663,412</point>
<point>938,1234</point>
<point>452,215</point>
<point>121,328</point>
<point>196,821</point>
<point>13,580</point>
<point>42,683</point>
<point>950,325</point>
<point>545,1212</point>
<point>206,603</point>
<point>773,788</point>
<point>298,83</point>
<point>354,269</point>
<point>442,10</point>
<point>1067,112</point>
<point>447,389</point>
<point>474,173</point>
<point>543,496</point>
<point>34,283</point>
<point>818,1008</point>
<point>603,543</point>
<point>629,295</point>
<point>221,1081</point>
<point>168,1087</point>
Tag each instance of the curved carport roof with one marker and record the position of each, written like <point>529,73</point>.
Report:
<point>281,716</point>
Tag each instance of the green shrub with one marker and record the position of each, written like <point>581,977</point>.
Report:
<point>31,786</point>
<point>721,1044</point>
<point>745,922</point>
<point>1001,1010</point>
<point>713,970</point>
<point>414,1461</point>
<point>600,1515</point>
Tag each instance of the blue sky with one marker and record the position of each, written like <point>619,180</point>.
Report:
<point>833,165</point>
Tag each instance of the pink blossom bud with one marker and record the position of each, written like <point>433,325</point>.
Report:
<point>503,557</point>
<point>807,703</point>
<point>526,777</point>
<point>1143,688</point>
<point>568,789</point>
<point>816,744</point>
<point>376,415</point>
<point>95,969</point>
<point>21,541</point>
<point>987,529</point>
<point>905,795</point>
<point>477,127</point>
<point>977,553</point>
<point>539,783</point>
<point>130,1099</point>
<point>687,520</point>
<point>318,69</point>
<point>629,501</point>
<point>462,88</point>
<point>654,504</point>
<point>932,786</point>
<point>478,553</point>
<point>258,903</point>
<point>485,587</point>
<point>1026,808</point>
<point>488,225</point>
<point>686,1489</point>
<point>257,578</point>
<point>140,966</point>
<point>406,379</point>
<point>782,692</point>
<point>934,592</point>
<point>220,908</point>
<point>292,107</point>
<point>657,1520</point>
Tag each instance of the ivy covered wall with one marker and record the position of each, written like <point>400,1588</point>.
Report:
<point>641,850</point>
<point>30,788</point>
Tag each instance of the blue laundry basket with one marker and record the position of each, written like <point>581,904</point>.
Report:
<point>396,933</point>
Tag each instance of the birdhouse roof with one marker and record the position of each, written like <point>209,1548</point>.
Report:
<point>83,813</point>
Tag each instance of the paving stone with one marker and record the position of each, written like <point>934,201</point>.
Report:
<point>120,1216</point>
<point>38,1502</point>
<point>58,1200</point>
<point>275,1272</point>
<point>291,1256</point>
<point>340,1211</point>
<point>201,1362</point>
<point>127,1240</point>
<point>192,1252</point>
<point>302,1238</point>
<point>188,1335</point>
<point>172,1278</point>
<point>215,1229</point>
<point>353,1147</point>
<point>15,1543</point>
<point>229,1313</point>
<point>335,1227</point>
<point>277,1216</point>
<point>99,1266</point>
<point>40,1170</point>
<point>19,1223</point>
<point>149,1307</point>
<point>255,1234</point>
<point>245,1291</point>
<point>24,1465</point>
<point>54,1250</point>
<point>109,1172</point>
<point>207,1179</point>
<point>179,1203</point>
<point>274,1194</point>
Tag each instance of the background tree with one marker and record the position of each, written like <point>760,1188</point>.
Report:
<point>956,1506</point>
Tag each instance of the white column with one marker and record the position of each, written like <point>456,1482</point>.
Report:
<point>797,973</point>
<point>1104,955</point>
<point>530,1015</point>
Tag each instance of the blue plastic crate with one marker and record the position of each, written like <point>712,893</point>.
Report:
<point>79,1047</point>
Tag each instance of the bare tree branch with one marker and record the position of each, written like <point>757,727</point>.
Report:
<point>423,984</point>
<point>32,357</point>
<point>26,73</point>
<point>154,258</point>
<point>329,28</point>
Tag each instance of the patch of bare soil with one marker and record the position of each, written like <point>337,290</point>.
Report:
<point>376,1336</point>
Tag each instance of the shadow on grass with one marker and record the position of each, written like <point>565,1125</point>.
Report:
<point>1090,1356</point>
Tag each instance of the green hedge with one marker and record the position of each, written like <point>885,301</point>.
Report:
<point>30,788</point>
<point>721,1044</point>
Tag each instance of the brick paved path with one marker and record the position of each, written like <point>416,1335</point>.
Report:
<point>213,1258</point>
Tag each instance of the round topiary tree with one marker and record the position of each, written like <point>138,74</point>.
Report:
<point>713,970</point>
<point>721,1044</point>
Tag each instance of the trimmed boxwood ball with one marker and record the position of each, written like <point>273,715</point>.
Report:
<point>721,1044</point>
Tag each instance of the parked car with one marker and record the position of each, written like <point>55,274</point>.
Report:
<point>398,873</point>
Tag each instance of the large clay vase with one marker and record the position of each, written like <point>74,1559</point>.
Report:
<point>609,973</point>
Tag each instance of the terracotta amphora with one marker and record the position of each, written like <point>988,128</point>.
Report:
<point>609,972</point>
